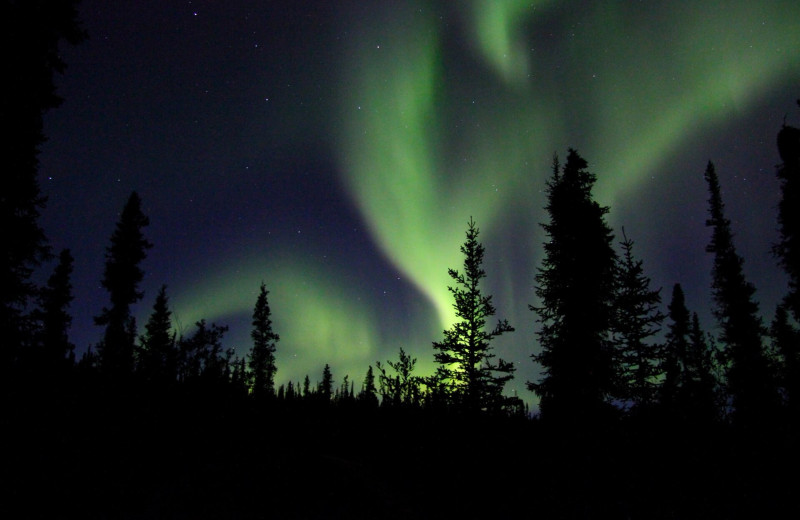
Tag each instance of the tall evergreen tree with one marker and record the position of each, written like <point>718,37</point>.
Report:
<point>785,334</point>
<point>675,350</point>
<point>121,279</point>
<point>786,339</point>
<point>788,247</point>
<point>31,34</point>
<point>325,389</point>
<point>368,394</point>
<point>576,287</point>
<point>700,382</point>
<point>750,383</point>
<point>262,353</point>
<point>157,353</point>
<point>465,354</point>
<point>239,377</point>
<point>638,318</point>
<point>57,352</point>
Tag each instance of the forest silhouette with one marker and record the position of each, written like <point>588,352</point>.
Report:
<point>632,423</point>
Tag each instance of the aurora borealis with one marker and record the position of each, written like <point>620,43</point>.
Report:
<point>336,151</point>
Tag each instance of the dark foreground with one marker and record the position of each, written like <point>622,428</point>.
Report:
<point>91,453</point>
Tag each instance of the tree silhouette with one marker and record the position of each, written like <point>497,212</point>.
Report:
<point>465,355</point>
<point>121,279</point>
<point>637,320</point>
<point>31,34</point>
<point>368,394</point>
<point>676,349</point>
<point>262,353</point>
<point>402,388</point>
<point>202,359</point>
<point>576,288</point>
<point>55,299</point>
<point>325,388</point>
<point>786,341</point>
<point>788,248</point>
<point>157,353</point>
<point>700,383</point>
<point>785,334</point>
<point>750,383</point>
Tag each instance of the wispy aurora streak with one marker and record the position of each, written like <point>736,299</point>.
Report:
<point>498,34</point>
<point>446,110</point>
<point>422,150</point>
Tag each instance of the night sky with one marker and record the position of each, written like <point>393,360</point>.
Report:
<point>336,151</point>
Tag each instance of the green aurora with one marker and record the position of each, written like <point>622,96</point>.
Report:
<point>447,111</point>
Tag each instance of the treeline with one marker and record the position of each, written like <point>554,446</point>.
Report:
<point>599,321</point>
<point>603,354</point>
<point>643,414</point>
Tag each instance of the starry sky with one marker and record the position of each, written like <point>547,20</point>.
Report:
<point>335,150</point>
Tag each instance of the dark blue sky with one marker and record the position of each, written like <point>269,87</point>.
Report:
<point>336,151</point>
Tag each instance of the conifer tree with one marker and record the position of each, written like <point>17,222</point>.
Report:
<point>201,356</point>
<point>785,339</point>
<point>402,388</point>
<point>785,334</point>
<point>325,391</point>
<point>54,300</point>
<point>121,279</point>
<point>157,353</point>
<point>576,287</point>
<point>31,35</point>
<point>465,354</point>
<point>239,376</point>
<point>368,394</point>
<point>700,382</point>
<point>262,353</point>
<point>750,383</point>
<point>675,350</point>
<point>788,247</point>
<point>637,320</point>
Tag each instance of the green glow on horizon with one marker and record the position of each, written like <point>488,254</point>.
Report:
<point>423,145</point>
<point>318,320</point>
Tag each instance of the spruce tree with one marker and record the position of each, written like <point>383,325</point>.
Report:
<point>55,351</point>
<point>700,382</point>
<point>402,388</point>
<point>465,354</point>
<point>785,334</point>
<point>637,319</point>
<point>750,383</point>
<point>576,288</point>
<point>325,389</point>
<point>32,32</point>
<point>157,353</point>
<point>201,358</point>
<point>788,247</point>
<point>785,339</point>
<point>368,394</point>
<point>262,353</point>
<point>121,279</point>
<point>675,351</point>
